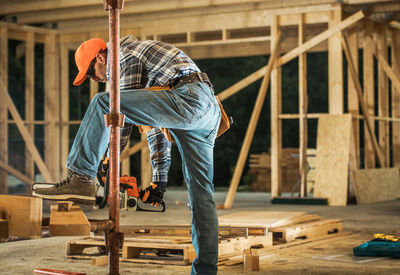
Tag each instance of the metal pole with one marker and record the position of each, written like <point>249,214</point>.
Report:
<point>115,120</point>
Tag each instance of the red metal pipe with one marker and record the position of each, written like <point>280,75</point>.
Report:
<point>114,203</point>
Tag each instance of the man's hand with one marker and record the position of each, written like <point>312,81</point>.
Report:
<point>152,194</point>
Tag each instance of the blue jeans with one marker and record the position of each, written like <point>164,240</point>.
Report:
<point>192,114</point>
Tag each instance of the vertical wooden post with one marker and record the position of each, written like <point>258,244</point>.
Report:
<point>383,95</point>
<point>64,105</point>
<point>335,64</point>
<point>369,91</point>
<point>126,163</point>
<point>3,109</point>
<point>30,99</point>
<point>145,166</point>
<point>94,88</point>
<point>303,109</point>
<point>276,123</point>
<point>352,100</point>
<point>396,97</point>
<point>51,107</point>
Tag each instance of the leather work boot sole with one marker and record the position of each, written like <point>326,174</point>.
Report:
<point>76,188</point>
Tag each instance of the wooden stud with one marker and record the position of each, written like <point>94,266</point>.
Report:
<point>303,110</point>
<point>383,94</point>
<point>276,123</point>
<point>51,109</point>
<point>11,170</point>
<point>352,101</point>
<point>64,107</point>
<point>361,101</point>
<point>126,163</point>
<point>24,132</point>
<point>94,89</point>
<point>369,95</point>
<point>3,108</point>
<point>335,66</point>
<point>396,97</point>
<point>30,99</point>
<point>252,126</point>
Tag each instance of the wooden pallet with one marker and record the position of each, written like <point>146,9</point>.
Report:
<point>306,230</point>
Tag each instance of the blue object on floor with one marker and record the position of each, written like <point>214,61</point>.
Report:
<point>378,248</point>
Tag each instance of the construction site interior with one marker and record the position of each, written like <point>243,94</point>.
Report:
<point>311,210</point>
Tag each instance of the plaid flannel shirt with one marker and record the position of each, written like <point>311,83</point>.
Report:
<point>153,63</point>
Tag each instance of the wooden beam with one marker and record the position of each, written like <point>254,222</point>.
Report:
<point>134,149</point>
<point>25,178</point>
<point>64,107</point>
<point>320,38</point>
<point>30,98</point>
<point>369,94</point>
<point>396,97</point>
<point>252,126</point>
<point>383,93</point>
<point>335,67</point>
<point>145,165</point>
<point>352,102</point>
<point>3,108</point>
<point>361,101</point>
<point>24,132</point>
<point>276,123</point>
<point>303,100</point>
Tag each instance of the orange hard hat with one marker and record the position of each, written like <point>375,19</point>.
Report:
<point>85,53</point>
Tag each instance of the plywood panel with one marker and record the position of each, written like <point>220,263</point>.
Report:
<point>374,185</point>
<point>333,156</point>
<point>24,215</point>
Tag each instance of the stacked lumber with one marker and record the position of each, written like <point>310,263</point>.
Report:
<point>67,219</point>
<point>260,169</point>
<point>239,233</point>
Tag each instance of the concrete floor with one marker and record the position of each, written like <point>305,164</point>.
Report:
<point>362,221</point>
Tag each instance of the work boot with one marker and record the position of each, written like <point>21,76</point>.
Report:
<point>76,188</point>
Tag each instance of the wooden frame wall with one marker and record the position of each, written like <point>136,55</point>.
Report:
<point>57,45</point>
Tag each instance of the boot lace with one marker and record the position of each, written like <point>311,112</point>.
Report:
<point>66,180</point>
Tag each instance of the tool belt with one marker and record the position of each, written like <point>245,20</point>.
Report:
<point>225,123</point>
<point>190,78</point>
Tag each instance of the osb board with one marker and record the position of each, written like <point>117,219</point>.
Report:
<point>24,215</point>
<point>374,185</point>
<point>68,223</point>
<point>259,218</point>
<point>333,158</point>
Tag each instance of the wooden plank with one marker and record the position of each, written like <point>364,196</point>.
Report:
<point>383,94</point>
<point>396,97</point>
<point>375,185</point>
<point>24,215</point>
<point>369,97</point>
<point>250,262</point>
<point>68,223</point>
<point>333,156</point>
<point>93,88</point>
<point>276,123</point>
<point>3,108</point>
<point>51,107</point>
<point>24,133</point>
<point>303,101</point>
<point>64,107</point>
<point>352,101</point>
<point>252,126</point>
<point>30,99</point>
<point>306,230</point>
<point>261,218</point>
<point>335,66</point>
